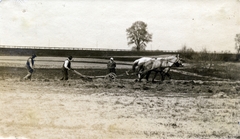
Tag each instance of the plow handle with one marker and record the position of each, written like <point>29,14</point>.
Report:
<point>79,73</point>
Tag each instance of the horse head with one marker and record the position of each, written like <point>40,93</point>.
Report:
<point>178,64</point>
<point>174,60</point>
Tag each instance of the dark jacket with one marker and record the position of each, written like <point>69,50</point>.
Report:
<point>29,68</point>
<point>111,65</point>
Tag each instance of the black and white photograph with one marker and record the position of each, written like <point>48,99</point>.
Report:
<point>119,69</point>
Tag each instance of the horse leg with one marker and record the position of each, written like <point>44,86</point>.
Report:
<point>169,76</point>
<point>139,77</point>
<point>139,74</point>
<point>143,74</point>
<point>147,75</point>
<point>155,75</point>
<point>162,75</point>
<point>167,73</point>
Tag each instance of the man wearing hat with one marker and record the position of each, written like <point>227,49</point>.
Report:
<point>66,67</point>
<point>111,66</point>
<point>30,67</point>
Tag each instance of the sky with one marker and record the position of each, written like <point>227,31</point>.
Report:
<point>198,24</point>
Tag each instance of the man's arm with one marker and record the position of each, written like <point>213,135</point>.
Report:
<point>30,63</point>
<point>66,64</point>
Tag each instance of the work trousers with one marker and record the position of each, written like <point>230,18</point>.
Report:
<point>29,75</point>
<point>111,70</point>
<point>65,74</point>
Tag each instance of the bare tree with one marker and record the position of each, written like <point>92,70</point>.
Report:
<point>137,34</point>
<point>186,52</point>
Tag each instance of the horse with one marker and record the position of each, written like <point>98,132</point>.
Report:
<point>142,62</point>
<point>139,64</point>
<point>162,65</point>
<point>164,71</point>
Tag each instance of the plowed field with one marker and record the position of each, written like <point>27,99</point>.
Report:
<point>47,108</point>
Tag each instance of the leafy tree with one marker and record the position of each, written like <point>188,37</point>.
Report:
<point>137,34</point>
<point>237,43</point>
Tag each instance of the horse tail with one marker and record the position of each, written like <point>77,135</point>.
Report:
<point>135,64</point>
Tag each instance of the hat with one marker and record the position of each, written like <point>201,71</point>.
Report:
<point>111,58</point>
<point>34,55</point>
<point>70,57</point>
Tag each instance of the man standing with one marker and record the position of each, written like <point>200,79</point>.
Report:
<point>66,67</point>
<point>30,67</point>
<point>111,66</point>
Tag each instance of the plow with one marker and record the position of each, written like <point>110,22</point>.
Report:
<point>111,76</point>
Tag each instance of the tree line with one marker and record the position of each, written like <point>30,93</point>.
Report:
<point>138,36</point>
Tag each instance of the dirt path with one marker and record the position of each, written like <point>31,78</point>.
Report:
<point>98,110</point>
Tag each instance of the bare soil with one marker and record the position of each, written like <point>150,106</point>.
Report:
<point>48,108</point>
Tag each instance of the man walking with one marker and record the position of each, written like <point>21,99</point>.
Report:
<point>111,66</point>
<point>66,67</point>
<point>30,67</point>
